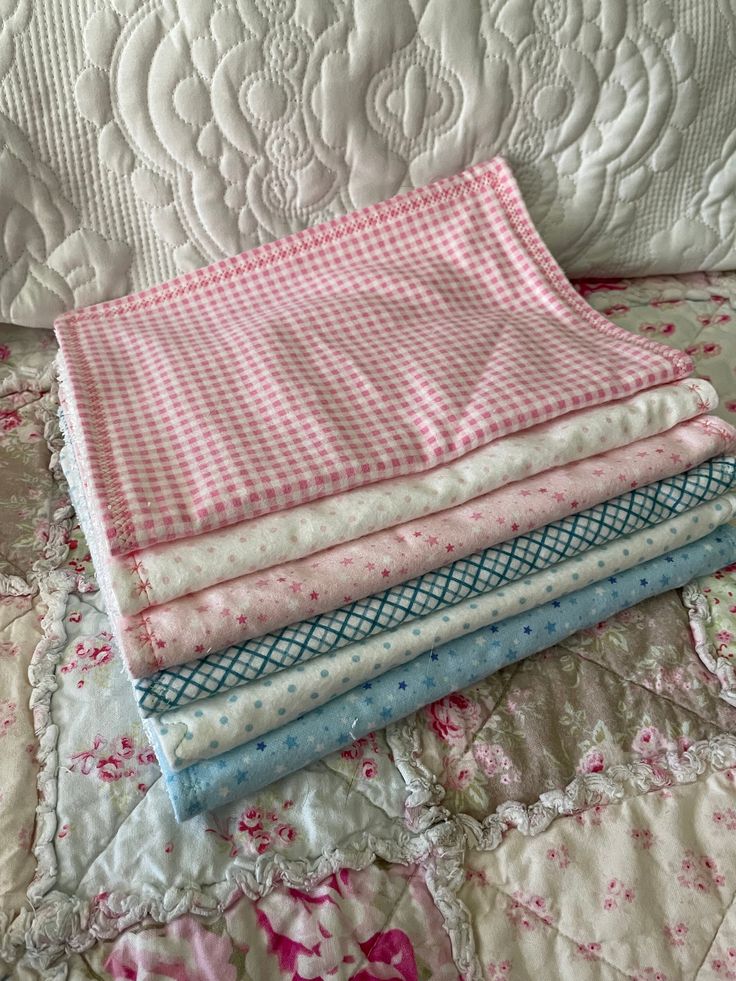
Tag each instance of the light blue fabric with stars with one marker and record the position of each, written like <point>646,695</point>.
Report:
<point>433,675</point>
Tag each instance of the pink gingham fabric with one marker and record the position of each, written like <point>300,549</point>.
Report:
<point>381,343</point>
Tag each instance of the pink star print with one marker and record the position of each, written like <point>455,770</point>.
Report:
<point>296,587</point>
<point>514,527</point>
<point>432,540</point>
<point>346,562</point>
<point>559,496</point>
<point>242,618</point>
<point>385,572</point>
<point>314,595</point>
<point>370,566</point>
<point>449,547</point>
<point>476,515</point>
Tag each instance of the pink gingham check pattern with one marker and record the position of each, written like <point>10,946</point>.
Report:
<point>381,343</point>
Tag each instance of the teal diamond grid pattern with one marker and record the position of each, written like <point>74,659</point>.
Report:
<point>462,579</point>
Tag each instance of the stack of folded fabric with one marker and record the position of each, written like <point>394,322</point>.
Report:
<point>338,477</point>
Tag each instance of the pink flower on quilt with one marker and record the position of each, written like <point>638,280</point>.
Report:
<point>589,952</point>
<point>110,768</point>
<point>263,829</point>
<point>725,818</point>
<point>186,949</point>
<point>700,873</point>
<point>492,760</point>
<point>724,636</point>
<point>499,972</point>
<point>9,649</point>
<point>123,747</point>
<point>648,742</point>
<point>528,911</point>
<point>454,718</point>
<point>559,855</point>
<point>370,769</point>
<point>675,934</point>
<point>642,837</point>
<point>649,974</point>
<point>730,404</point>
<point>459,771</point>
<point>107,759</point>
<point>286,833</point>
<point>147,756</point>
<point>665,330</point>
<point>586,287</point>
<point>4,352</point>
<point>7,716</point>
<point>592,762</point>
<point>705,349</point>
<point>617,893</point>
<point>9,420</point>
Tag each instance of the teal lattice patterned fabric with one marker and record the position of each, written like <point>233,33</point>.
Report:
<point>464,579</point>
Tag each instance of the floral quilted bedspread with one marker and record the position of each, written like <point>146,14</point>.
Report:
<point>573,816</point>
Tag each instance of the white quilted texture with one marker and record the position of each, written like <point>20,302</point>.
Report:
<point>142,139</point>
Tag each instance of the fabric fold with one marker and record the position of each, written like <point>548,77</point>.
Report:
<point>161,573</point>
<point>381,343</point>
<point>210,727</point>
<point>432,676</point>
<point>262,603</point>
<point>463,579</point>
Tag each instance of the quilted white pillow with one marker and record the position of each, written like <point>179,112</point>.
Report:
<point>140,140</point>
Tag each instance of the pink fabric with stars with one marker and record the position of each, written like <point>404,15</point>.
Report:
<point>261,602</point>
<point>378,344</point>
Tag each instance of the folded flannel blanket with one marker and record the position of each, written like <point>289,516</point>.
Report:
<point>264,602</point>
<point>161,573</point>
<point>238,715</point>
<point>478,573</point>
<point>381,343</point>
<point>433,675</point>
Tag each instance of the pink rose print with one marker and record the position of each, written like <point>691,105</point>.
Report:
<point>587,286</point>
<point>453,718</point>
<point>590,816</point>
<point>183,950</point>
<point>90,652</point>
<point>592,762</point>
<point>705,349</point>
<point>9,649</point>
<point>527,911</point>
<point>492,760</point>
<point>675,934</point>
<point>649,974</point>
<point>726,819</point>
<point>257,830</point>
<point>617,894</point>
<point>113,760</point>
<point>360,749</point>
<point>724,966</point>
<point>643,838</point>
<point>459,771</point>
<point>7,716</point>
<point>370,769</point>
<point>700,873</point>
<point>9,420</point>
<point>730,405</point>
<point>4,352</point>
<point>499,972</point>
<point>559,855</point>
<point>665,330</point>
<point>648,742</point>
<point>589,952</point>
